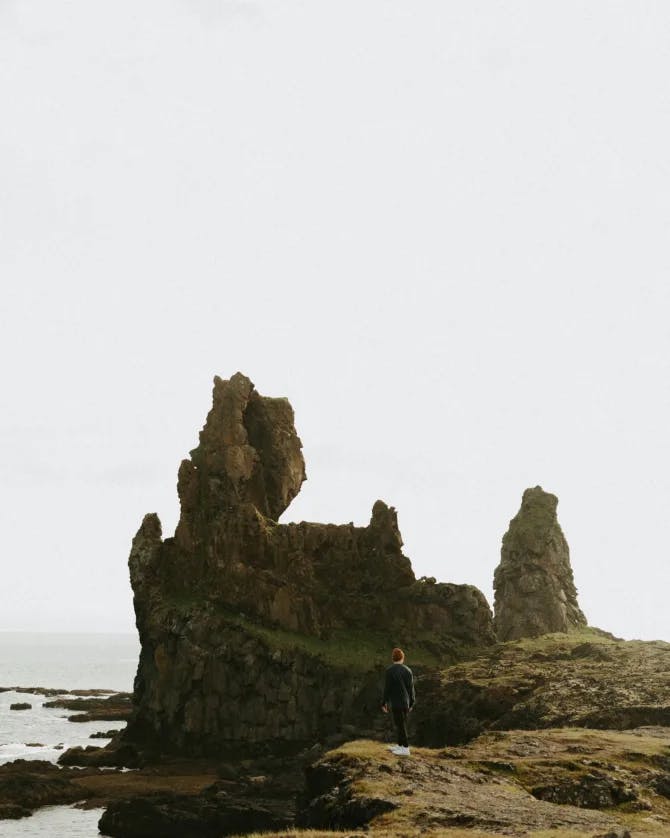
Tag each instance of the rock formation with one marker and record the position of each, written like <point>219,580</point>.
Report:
<point>535,592</point>
<point>502,784</point>
<point>250,629</point>
<point>584,679</point>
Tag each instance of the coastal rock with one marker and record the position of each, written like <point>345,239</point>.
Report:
<point>114,708</point>
<point>26,785</point>
<point>118,700</point>
<point>187,816</point>
<point>51,691</point>
<point>249,797</point>
<point>114,756</point>
<point>21,705</point>
<point>535,592</point>
<point>258,632</point>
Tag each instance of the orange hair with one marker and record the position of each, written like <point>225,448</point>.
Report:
<point>397,654</point>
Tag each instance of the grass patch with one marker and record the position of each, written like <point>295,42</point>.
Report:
<point>361,650</point>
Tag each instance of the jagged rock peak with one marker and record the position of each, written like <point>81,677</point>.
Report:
<point>241,618</point>
<point>249,452</point>
<point>534,587</point>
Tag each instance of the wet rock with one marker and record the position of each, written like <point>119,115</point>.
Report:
<point>116,707</point>
<point>11,811</point>
<point>110,714</point>
<point>20,705</point>
<point>117,701</point>
<point>182,816</point>
<point>105,734</point>
<point>534,587</point>
<point>26,785</point>
<point>51,691</point>
<point>113,756</point>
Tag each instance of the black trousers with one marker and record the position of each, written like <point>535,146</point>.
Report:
<point>400,719</point>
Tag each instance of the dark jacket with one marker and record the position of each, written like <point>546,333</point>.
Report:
<point>399,687</point>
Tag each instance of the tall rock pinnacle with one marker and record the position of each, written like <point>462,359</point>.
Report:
<point>249,452</point>
<point>534,588</point>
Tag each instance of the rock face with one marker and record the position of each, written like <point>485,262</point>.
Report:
<point>585,679</point>
<point>535,592</point>
<point>245,623</point>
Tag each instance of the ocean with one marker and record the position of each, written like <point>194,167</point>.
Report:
<point>67,662</point>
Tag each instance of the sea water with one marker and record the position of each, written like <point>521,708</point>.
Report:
<point>63,662</point>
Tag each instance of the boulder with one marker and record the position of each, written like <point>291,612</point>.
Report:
<point>210,815</point>
<point>535,592</point>
<point>26,785</point>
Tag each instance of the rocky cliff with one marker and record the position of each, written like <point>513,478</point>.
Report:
<point>258,632</point>
<point>535,592</point>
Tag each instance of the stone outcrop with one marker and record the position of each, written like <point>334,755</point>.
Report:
<point>584,679</point>
<point>27,784</point>
<point>535,592</point>
<point>502,784</point>
<point>258,632</point>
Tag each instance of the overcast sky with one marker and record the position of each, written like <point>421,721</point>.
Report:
<point>440,228</point>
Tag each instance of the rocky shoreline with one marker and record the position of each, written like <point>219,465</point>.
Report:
<point>565,770</point>
<point>256,701</point>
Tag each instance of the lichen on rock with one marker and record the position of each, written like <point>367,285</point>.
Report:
<point>534,587</point>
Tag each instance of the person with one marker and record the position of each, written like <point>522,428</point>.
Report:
<point>399,697</point>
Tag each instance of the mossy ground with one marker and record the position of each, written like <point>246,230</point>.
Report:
<point>564,688</point>
<point>584,678</point>
<point>486,788</point>
<point>451,832</point>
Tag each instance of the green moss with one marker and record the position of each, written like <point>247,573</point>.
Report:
<point>357,649</point>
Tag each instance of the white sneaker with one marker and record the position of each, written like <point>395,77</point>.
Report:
<point>401,751</point>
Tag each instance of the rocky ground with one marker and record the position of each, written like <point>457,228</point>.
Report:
<point>256,700</point>
<point>573,782</point>
<point>582,679</point>
<point>181,798</point>
<point>562,736</point>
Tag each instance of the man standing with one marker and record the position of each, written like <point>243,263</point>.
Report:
<point>399,696</point>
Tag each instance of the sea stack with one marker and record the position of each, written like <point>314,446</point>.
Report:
<point>535,592</point>
<point>254,632</point>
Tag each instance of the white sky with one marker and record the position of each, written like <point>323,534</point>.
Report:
<point>440,228</point>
